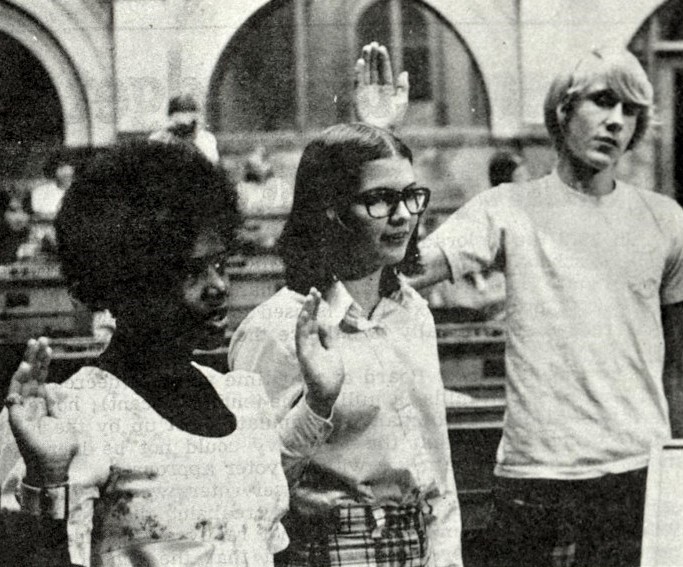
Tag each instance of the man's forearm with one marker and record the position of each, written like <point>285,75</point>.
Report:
<point>435,264</point>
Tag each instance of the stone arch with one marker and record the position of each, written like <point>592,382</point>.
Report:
<point>324,13</point>
<point>76,63</point>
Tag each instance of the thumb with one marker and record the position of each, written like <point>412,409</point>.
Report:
<point>17,416</point>
<point>329,335</point>
<point>54,396</point>
<point>402,83</point>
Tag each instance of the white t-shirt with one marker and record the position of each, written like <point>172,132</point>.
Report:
<point>46,199</point>
<point>585,280</point>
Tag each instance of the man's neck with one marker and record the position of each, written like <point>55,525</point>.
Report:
<point>584,179</point>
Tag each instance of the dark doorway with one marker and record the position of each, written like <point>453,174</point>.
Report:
<point>31,120</point>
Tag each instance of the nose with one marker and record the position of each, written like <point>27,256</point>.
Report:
<point>216,285</point>
<point>400,214</point>
<point>615,118</point>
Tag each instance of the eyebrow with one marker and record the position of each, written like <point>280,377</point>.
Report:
<point>382,188</point>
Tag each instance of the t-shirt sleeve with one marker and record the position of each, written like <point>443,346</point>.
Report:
<point>671,290</point>
<point>471,238</point>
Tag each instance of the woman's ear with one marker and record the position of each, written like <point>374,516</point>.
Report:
<point>333,216</point>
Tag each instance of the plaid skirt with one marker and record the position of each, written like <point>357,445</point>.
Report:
<point>359,536</point>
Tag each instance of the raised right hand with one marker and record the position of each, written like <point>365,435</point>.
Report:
<point>378,100</point>
<point>321,363</point>
<point>46,442</point>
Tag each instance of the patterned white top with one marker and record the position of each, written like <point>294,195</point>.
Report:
<point>143,492</point>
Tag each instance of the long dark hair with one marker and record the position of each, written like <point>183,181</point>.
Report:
<point>314,248</point>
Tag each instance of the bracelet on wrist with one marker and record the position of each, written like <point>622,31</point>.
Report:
<point>49,501</point>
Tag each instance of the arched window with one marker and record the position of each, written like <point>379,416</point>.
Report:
<point>289,67</point>
<point>30,112</point>
<point>659,46</point>
<point>254,84</point>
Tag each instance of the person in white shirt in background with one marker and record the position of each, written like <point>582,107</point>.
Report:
<point>594,352</point>
<point>46,199</point>
<point>185,126</point>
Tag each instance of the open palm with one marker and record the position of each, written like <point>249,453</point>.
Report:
<point>321,363</point>
<point>46,442</point>
<point>377,99</point>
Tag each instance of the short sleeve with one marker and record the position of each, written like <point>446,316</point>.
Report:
<point>471,238</point>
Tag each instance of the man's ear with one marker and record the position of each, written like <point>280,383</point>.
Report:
<point>562,114</point>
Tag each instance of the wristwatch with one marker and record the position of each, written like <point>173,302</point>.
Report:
<point>45,501</point>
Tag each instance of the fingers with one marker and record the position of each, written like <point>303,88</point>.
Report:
<point>367,51</point>
<point>374,63</point>
<point>42,360</point>
<point>386,75</point>
<point>374,67</point>
<point>306,323</point>
<point>32,371</point>
<point>53,401</point>
<point>359,73</point>
<point>309,310</point>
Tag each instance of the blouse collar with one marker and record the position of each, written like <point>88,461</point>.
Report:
<point>341,309</point>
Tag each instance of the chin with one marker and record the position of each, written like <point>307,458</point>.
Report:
<point>600,161</point>
<point>393,258</point>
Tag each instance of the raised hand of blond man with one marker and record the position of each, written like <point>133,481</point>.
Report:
<point>378,100</point>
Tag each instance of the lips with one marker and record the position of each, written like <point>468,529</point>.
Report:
<point>218,318</point>
<point>608,141</point>
<point>395,238</point>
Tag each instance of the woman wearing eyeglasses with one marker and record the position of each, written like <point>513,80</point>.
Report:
<point>378,488</point>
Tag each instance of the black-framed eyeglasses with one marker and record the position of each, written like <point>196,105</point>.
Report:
<point>381,203</point>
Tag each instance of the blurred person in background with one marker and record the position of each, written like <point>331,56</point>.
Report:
<point>185,126</point>
<point>46,199</point>
<point>507,167</point>
<point>14,226</point>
